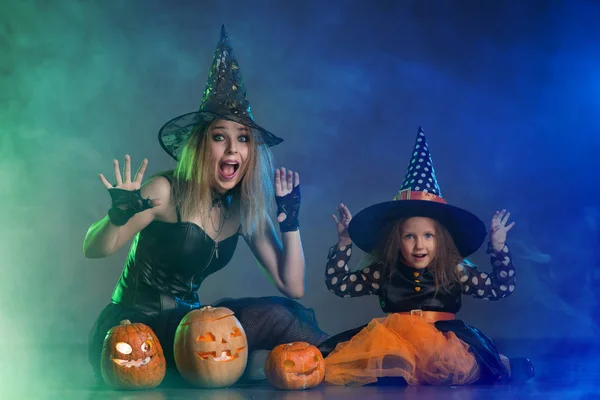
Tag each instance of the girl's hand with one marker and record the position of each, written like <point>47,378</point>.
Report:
<point>499,229</point>
<point>342,220</point>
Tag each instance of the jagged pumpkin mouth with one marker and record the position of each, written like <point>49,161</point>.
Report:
<point>306,373</point>
<point>226,355</point>
<point>133,363</point>
<point>290,364</point>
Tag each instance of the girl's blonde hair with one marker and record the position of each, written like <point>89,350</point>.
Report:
<point>444,263</point>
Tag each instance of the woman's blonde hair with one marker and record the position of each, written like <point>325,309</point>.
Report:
<point>194,175</point>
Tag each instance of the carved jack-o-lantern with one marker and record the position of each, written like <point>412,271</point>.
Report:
<point>295,365</point>
<point>132,357</point>
<point>210,349</point>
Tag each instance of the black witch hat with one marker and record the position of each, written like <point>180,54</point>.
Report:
<point>419,196</point>
<point>224,97</point>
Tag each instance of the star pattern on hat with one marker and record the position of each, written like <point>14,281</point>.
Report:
<point>225,88</point>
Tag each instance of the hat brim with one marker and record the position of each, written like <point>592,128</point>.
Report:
<point>466,229</point>
<point>175,133</point>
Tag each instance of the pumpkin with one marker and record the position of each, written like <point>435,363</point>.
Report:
<point>296,365</point>
<point>132,357</point>
<point>210,348</point>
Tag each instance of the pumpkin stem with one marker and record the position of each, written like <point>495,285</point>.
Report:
<point>126,322</point>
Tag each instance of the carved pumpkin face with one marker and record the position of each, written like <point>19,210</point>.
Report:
<point>296,365</point>
<point>211,349</point>
<point>132,357</point>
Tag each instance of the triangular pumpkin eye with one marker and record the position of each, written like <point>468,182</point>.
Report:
<point>207,337</point>
<point>236,332</point>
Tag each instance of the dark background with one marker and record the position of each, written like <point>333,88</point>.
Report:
<point>507,92</point>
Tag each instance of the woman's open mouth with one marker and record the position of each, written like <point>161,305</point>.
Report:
<point>229,169</point>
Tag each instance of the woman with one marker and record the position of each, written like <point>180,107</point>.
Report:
<point>185,223</point>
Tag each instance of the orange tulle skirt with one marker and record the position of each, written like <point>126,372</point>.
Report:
<point>402,346</point>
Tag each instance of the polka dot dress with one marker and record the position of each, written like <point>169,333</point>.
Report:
<point>344,283</point>
<point>497,285</point>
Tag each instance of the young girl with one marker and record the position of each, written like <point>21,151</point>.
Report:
<point>420,243</point>
<point>186,223</point>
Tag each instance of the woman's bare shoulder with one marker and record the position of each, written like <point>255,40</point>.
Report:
<point>157,187</point>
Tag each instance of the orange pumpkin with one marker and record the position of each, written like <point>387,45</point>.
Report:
<point>296,365</point>
<point>132,357</point>
<point>211,349</point>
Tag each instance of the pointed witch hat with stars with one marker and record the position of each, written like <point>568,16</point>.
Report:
<point>224,97</point>
<point>419,196</point>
